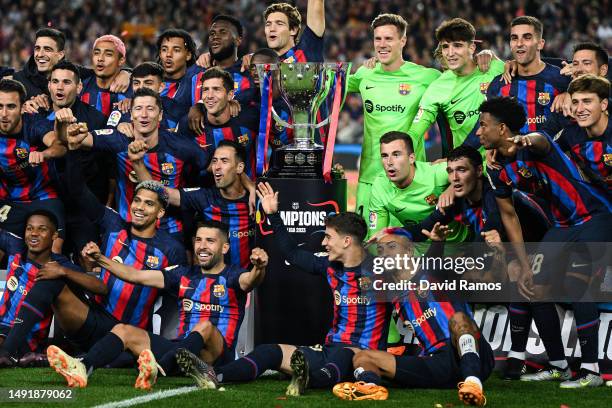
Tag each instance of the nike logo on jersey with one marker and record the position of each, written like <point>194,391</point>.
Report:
<point>576,265</point>
<point>185,287</point>
<point>454,101</point>
<point>369,87</point>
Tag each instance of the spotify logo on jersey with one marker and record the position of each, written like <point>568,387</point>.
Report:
<point>369,106</point>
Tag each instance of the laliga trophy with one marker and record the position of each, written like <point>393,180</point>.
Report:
<point>304,87</point>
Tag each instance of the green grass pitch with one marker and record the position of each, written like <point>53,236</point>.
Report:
<point>107,386</point>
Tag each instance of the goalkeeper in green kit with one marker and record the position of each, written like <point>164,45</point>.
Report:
<point>459,91</point>
<point>391,93</point>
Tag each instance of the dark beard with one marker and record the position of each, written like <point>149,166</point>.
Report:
<point>223,53</point>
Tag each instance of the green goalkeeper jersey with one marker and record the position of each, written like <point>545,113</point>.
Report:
<point>390,102</point>
<point>391,206</point>
<point>459,99</point>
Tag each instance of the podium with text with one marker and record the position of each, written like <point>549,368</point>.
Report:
<point>295,307</point>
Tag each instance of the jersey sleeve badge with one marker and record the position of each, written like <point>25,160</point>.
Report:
<point>114,118</point>
<point>373,218</point>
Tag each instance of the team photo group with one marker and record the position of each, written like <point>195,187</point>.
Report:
<point>210,176</point>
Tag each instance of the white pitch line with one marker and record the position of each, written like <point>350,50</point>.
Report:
<point>146,398</point>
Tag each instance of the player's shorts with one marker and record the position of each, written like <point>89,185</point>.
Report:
<point>318,356</point>
<point>440,369</point>
<point>160,346</point>
<point>578,249</point>
<point>362,207</point>
<point>13,214</point>
<point>97,324</point>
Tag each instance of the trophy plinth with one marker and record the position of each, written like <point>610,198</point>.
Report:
<point>295,161</point>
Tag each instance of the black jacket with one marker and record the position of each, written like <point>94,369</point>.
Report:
<point>35,83</point>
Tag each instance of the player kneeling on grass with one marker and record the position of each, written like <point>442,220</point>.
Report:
<point>453,349</point>
<point>211,298</point>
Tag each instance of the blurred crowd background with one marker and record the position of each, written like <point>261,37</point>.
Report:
<point>347,34</point>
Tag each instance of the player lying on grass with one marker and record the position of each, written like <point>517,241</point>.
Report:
<point>211,297</point>
<point>361,321</point>
<point>453,349</point>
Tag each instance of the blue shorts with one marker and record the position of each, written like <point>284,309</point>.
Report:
<point>97,324</point>
<point>160,346</point>
<point>440,369</point>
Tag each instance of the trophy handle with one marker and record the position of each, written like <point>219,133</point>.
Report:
<point>286,124</point>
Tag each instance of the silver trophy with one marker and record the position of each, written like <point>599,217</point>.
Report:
<point>304,87</point>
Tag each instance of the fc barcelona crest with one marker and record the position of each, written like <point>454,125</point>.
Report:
<point>219,291</point>
<point>543,98</point>
<point>167,168</point>
<point>607,158</point>
<point>21,152</point>
<point>243,139</point>
<point>152,262</point>
<point>484,86</point>
<point>365,283</point>
<point>404,89</point>
<point>525,172</point>
<point>431,199</point>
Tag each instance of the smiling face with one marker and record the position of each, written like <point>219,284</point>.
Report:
<point>335,244</point>
<point>388,44</point>
<point>585,62</point>
<point>225,167</point>
<point>209,247</point>
<point>396,161</point>
<point>587,108</point>
<point>106,60</point>
<point>63,87</point>
<point>173,55</point>
<point>278,34</point>
<point>145,209</point>
<point>457,55</point>
<point>146,115</point>
<point>215,96</point>
<point>462,176</point>
<point>223,40</point>
<point>46,54</point>
<point>39,234</point>
<point>525,44</point>
<point>10,113</point>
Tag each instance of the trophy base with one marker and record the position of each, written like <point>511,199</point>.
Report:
<point>293,162</point>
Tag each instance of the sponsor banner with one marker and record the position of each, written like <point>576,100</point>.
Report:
<point>295,307</point>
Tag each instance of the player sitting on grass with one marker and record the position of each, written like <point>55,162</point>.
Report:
<point>453,350</point>
<point>361,321</point>
<point>211,297</point>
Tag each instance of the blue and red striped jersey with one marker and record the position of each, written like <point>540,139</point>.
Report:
<point>242,129</point>
<point>479,216</point>
<point>127,302</point>
<point>101,99</point>
<point>309,48</point>
<point>535,93</point>
<point>174,161</point>
<point>217,298</point>
<point>21,273</point>
<point>592,154</point>
<point>429,318</point>
<point>19,181</point>
<point>177,95</point>
<point>279,135</point>
<point>211,205</point>
<point>245,90</point>
<point>555,180</point>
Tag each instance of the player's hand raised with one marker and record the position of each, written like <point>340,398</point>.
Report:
<point>76,133</point>
<point>127,129</point>
<point>50,270</point>
<point>121,83</point>
<point>246,62</point>
<point>35,103</point>
<point>438,232</point>
<point>65,115</point>
<point>483,60</point>
<point>259,258</point>
<point>124,105</point>
<point>137,150</point>
<point>36,158</point>
<point>568,69</point>
<point>520,142</point>
<point>268,198</point>
<point>91,251</point>
<point>204,60</point>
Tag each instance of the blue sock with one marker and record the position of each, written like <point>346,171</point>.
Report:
<point>338,368</point>
<point>520,321</point>
<point>251,366</point>
<point>104,352</point>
